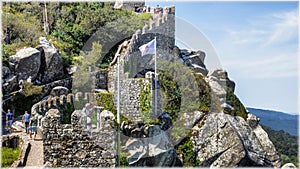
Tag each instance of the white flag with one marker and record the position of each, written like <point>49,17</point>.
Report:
<point>148,48</point>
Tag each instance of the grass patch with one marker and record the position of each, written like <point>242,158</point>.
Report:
<point>9,155</point>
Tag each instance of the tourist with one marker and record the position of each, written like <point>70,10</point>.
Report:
<point>33,123</point>
<point>26,120</point>
<point>9,119</point>
<point>20,84</point>
<point>88,112</point>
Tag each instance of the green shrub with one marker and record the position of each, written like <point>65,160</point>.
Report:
<point>172,93</point>
<point>31,90</point>
<point>204,93</point>
<point>233,100</point>
<point>185,150</point>
<point>105,99</point>
<point>9,155</point>
<point>145,101</point>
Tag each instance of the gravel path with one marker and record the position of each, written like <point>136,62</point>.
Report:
<point>36,155</point>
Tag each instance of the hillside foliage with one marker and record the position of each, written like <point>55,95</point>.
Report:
<point>285,144</point>
<point>70,26</point>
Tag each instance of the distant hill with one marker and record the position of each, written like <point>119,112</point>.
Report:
<point>277,120</point>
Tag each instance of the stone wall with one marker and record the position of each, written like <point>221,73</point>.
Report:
<point>71,145</point>
<point>129,97</point>
<point>133,65</point>
<point>101,79</point>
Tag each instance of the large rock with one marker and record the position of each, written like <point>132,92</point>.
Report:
<point>195,60</point>
<point>5,71</point>
<point>26,63</point>
<point>227,141</point>
<point>222,78</point>
<point>153,150</point>
<point>51,63</point>
<point>59,90</point>
<point>10,83</point>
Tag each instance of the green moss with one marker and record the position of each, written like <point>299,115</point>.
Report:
<point>172,93</point>
<point>9,155</point>
<point>145,101</point>
<point>233,100</point>
<point>30,89</point>
<point>185,150</point>
<point>204,93</point>
<point>105,100</point>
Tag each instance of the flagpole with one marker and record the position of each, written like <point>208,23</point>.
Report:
<point>118,113</point>
<point>155,79</point>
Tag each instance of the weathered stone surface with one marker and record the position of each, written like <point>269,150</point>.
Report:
<point>252,120</point>
<point>59,90</point>
<point>194,60</point>
<point>166,121</point>
<point>26,63</point>
<point>221,77</point>
<point>101,79</point>
<point>51,63</point>
<point>5,71</point>
<point>71,145</point>
<point>228,141</point>
<point>154,150</point>
<point>263,138</point>
<point>10,83</point>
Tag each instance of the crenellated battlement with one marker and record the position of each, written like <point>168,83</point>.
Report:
<point>62,141</point>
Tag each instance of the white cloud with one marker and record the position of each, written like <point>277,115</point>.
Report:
<point>285,27</point>
<point>277,66</point>
<point>268,30</point>
<point>266,47</point>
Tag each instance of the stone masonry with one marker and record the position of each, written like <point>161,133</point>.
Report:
<point>133,65</point>
<point>71,145</point>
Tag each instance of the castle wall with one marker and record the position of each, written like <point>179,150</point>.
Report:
<point>133,65</point>
<point>129,97</point>
<point>71,145</point>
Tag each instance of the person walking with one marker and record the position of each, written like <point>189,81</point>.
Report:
<point>26,120</point>
<point>33,123</point>
<point>9,119</point>
<point>88,111</point>
<point>20,85</point>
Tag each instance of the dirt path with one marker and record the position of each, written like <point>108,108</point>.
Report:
<point>36,155</point>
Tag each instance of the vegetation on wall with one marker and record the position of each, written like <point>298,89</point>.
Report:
<point>233,100</point>
<point>145,101</point>
<point>105,100</point>
<point>185,150</point>
<point>204,93</point>
<point>172,94</point>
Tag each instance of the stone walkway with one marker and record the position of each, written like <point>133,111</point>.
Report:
<point>36,155</point>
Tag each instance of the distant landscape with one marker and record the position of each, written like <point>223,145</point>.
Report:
<point>277,120</point>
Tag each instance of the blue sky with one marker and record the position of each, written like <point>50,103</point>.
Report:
<point>256,42</point>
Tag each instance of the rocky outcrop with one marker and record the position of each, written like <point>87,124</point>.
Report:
<point>194,60</point>
<point>149,145</point>
<point>42,64</point>
<point>26,63</point>
<point>51,68</point>
<point>153,150</point>
<point>220,84</point>
<point>223,140</point>
<point>220,77</point>
<point>59,90</point>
